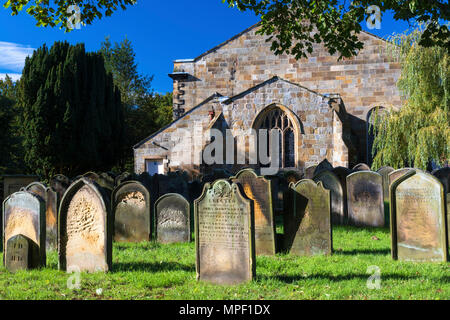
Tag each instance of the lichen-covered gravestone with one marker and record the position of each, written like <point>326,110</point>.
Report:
<point>331,182</point>
<point>309,222</point>
<point>258,189</point>
<point>361,167</point>
<point>172,219</point>
<point>131,211</point>
<point>85,228</point>
<point>418,218</point>
<point>22,254</point>
<point>24,214</point>
<point>365,199</point>
<point>50,198</point>
<point>224,234</point>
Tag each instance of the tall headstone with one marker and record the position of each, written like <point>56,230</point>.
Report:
<point>50,198</point>
<point>365,199</point>
<point>331,182</point>
<point>342,173</point>
<point>85,228</point>
<point>131,211</point>
<point>258,189</point>
<point>361,167</point>
<point>24,214</point>
<point>418,218</point>
<point>22,254</point>
<point>224,234</point>
<point>385,171</point>
<point>172,219</point>
<point>309,231</point>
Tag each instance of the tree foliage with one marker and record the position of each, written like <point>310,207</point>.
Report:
<point>55,12</point>
<point>71,114</point>
<point>295,26</point>
<point>420,131</point>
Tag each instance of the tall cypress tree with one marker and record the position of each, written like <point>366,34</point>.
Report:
<point>71,111</point>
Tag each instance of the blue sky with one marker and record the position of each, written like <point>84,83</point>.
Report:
<point>161,31</point>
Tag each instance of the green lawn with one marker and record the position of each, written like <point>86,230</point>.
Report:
<point>153,271</point>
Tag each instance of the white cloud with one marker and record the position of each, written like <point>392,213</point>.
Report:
<point>12,56</point>
<point>13,76</point>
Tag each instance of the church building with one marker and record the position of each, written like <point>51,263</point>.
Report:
<point>321,106</point>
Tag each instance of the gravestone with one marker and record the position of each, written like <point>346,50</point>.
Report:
<point>22,254</point>
<point>51,211</point>
<point>394,175</point>
<point>224,234</point>
<point>258,189</point>
<point>331,182</point>
<point>324,165</point>
<point>85,230</point>
<point>59,183</point>
<point>172,219</point>
<point>24,214</point>
<point>309,231</point>
<point>443,175</point>
<point>365,199</point>
<point>361,167</point>
<point>342,173</point>
<point>309,172</point>
<point>131,211</point>
<point>385,171</point>
<point>124,176</point>
<point>418,218</point>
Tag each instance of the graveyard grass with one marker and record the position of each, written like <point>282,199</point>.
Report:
<point>155,271</point>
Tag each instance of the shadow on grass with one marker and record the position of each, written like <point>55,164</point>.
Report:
<point>152,266</point>
<point>288,279</point>
<point>362,251</point>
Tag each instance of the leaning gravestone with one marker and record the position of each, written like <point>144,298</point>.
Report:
<point>131,211</point>
<point>172,219</point>
<point>418,218</point>
<point>361,167</point>
<point>331,182</point>
<point>443,175</point>
<point>224,234</point>
<point>24,214</point>
<point>85,228</point>
<point>51,211</point>
<point>22,254</point>
<point>310,221</point>
<point>365,199</point>
<point>258,189</point>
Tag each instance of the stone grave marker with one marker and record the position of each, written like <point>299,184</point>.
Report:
<point>342,173</point>
<point>85,228</point>
<point>443,176</point>
<point>224,234</point>
<point>172,219</point>
<point>394,175</point>
<point>309,231</point>
<point>59,183</point>
<point>331,182</point>
<point>22,254</point>
<point>258,189</point>
<point>365,199</point>
<point>309,172</point>
<point>418,218</point>
<point>323,166</point>
<point>131,210</point>
<point>361,167</point>
<point>50,198</point>
<point>24,214</point>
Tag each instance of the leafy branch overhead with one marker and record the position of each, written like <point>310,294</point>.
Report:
<point>56,12</point>
<point>296,26</point>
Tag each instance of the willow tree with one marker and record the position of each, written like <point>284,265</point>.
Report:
<point>420,131</point>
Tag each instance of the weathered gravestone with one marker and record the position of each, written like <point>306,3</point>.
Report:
<point>394,175</point>
<point>22,254</point>
<point>124,176</point>
<point>24,213</point>
<point>172,219</point>
<point>385,171</point>
<point>361,167</point>
<point>443,175</point>
<point>342,173</point>
<point>60,183</point>
<point>418,218</point>
<point>365,199</point>
<point>131,211</point>
<point>309,172</point>
<point>331,182</point>
<point>50,198</point>
<point>258,189</point>
<point>224,234</point>
<point>324,165</point>
<point>85,228</point>
<point>308,229</point>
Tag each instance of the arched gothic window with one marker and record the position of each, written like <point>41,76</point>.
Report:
<point>279,120</point>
